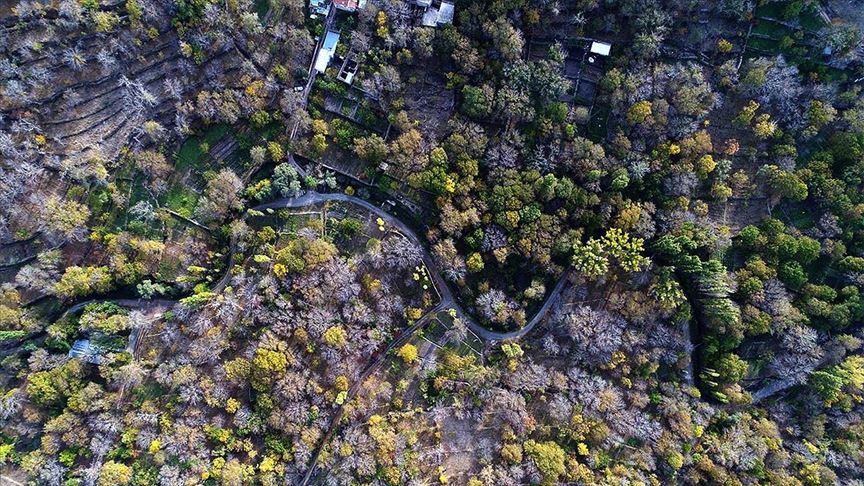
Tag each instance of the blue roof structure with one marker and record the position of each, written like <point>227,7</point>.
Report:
<point>331,40</point>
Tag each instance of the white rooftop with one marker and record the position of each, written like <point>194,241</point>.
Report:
<point>445,13</point>
<point>430,17</point>
<point>438,16</point>
<point>601,48</point>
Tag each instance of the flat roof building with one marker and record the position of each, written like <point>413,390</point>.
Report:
<point>601,48</point>
<point>328,49</point>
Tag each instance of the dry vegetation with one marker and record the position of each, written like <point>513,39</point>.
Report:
<point>493,257</point>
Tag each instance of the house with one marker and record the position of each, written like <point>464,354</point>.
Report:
<point>328,49</point>
<point>349,5</point>
<point>434,17</point>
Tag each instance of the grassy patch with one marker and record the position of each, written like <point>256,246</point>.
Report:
<point>597,125</point>
<point>190,155</point>
<point>147,391</point>
<point>271,130</point>
<point>763,45</point>
<point>825,73</point>
<point>798,216</point>
<point>810,20</point>
<point>261,8</point>
<point>771,29</point>
<point>136,193</point>
<point>99,200</point>
<point>771,9</point>
<point>139,192</point>
<point>181,199</point>
<point>435,331</point>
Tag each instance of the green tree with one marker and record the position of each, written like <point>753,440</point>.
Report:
<point>267,365</point>
<point>549,458</point>
<point>64,216</point>
<point>277,153</point>
<point>783,183</point>
<point>260,190</point>
<point>819,115</point>
<point>80,281</point>
<point>41,389</point>
<point>852,264</point>
<point>49,388</point>
<point>319,143</point>
<point>620,179</point>
<point>106,317</point>
<point>628,251</point>
<point>114,473</point>
<point>372,149</point>
<point>792,274</point>
<point>476,101</point>
<point>350,227</point>
<point>751,238</point>
<point>731,367</point>
<point>589,258</point>
<point>808,250</point>
<point>841,384</point>
<point>148,289</point>
<point>639,112</point>
<point>827,384</point>
<point>474,262</point>
<point>269,361</point>
<point>435,179</point>
<point>748,113</point>
<point>667,290</point>
<point>286,180</point>
<point>335,337</point>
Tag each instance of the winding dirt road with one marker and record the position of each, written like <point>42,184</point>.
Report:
<point>447,300</point>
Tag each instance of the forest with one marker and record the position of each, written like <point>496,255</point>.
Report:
<point>416,242</point>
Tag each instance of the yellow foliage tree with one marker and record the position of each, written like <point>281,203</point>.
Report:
<point>408,353</point>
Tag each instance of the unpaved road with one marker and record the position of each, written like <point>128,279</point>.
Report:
<point>447,299</point>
